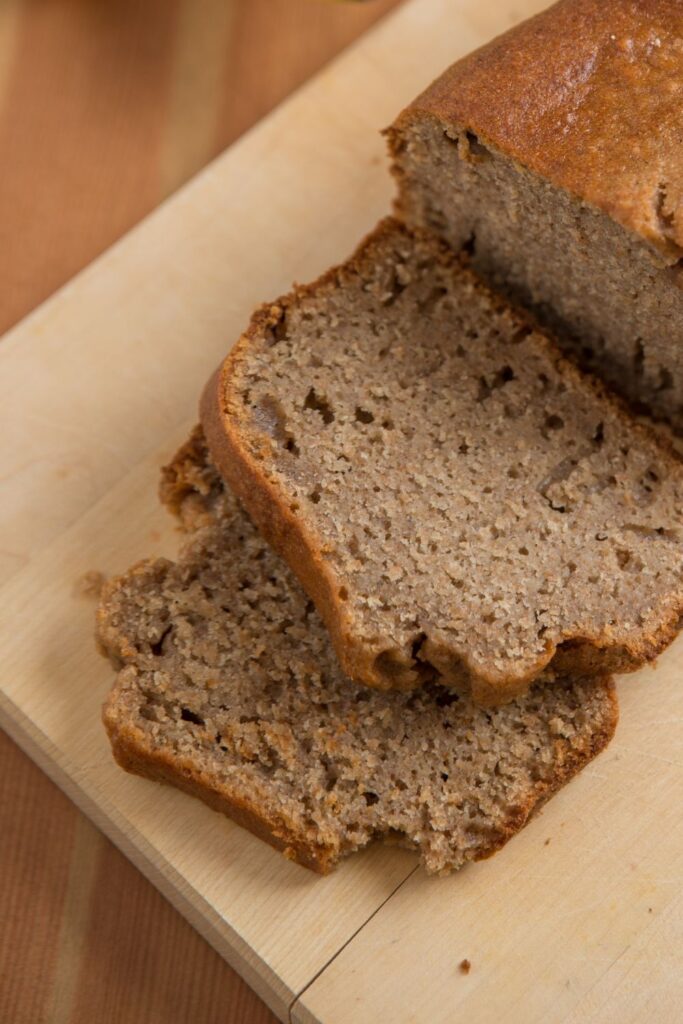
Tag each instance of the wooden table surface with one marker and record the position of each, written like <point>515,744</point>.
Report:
<point>106,109</point>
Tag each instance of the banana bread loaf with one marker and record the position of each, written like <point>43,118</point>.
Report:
<point>553,155</point>
<point>228,688</point>
<point>452,494</point>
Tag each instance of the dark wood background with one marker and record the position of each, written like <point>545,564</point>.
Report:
<point>107,107</point>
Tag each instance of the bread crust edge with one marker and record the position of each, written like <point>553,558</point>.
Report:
<point>135,755</point>
<point>225,427</point>
<point>467,96</point>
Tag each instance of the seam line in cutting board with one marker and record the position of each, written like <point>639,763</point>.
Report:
<point>348,941</point>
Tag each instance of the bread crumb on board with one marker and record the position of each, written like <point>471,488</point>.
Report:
<point>90,584</point>
<point>465,967</point>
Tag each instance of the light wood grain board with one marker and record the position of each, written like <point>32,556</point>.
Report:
<point>580,918</point>
<point>96,389</point>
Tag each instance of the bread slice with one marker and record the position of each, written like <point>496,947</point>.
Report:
<point>229,689</point>
<point>554,155</point>
<point>451,493</point>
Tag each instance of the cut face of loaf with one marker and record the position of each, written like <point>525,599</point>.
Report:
<point>553,155</point>
<point>453,495</point>
<point>228,688</point>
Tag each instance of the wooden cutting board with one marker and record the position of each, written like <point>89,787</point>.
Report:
<point>581,917</point>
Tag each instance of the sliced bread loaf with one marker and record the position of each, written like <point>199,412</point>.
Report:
<point>228,688</point>
<point>452,494</point>
<point>554,155</point>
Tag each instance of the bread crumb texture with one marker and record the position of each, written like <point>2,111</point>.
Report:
<point>228,687</point>
<point>474,503</point>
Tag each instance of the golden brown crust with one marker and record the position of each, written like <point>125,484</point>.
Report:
<point>570,761</point>
<point>138,751</point>
<point>222,420</point>
<point>283,529</point>
<point>226,429</point>
<point>587,96</point>
<point>180,478</point>
<point>189,486</point>
<point>135,754</point>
